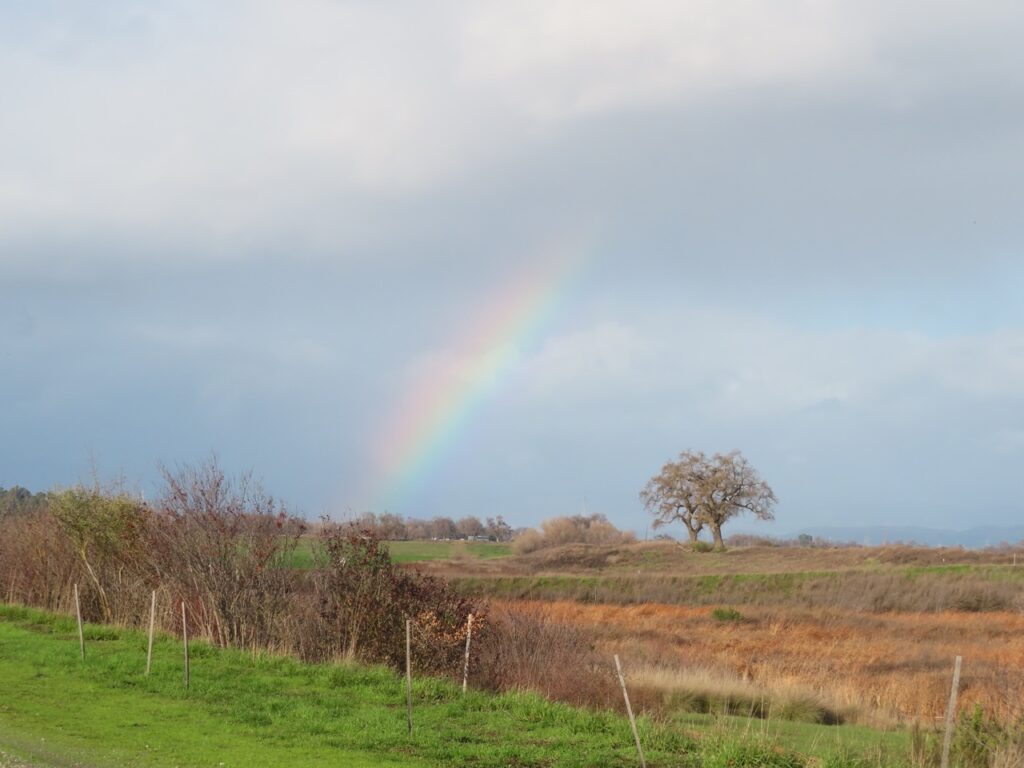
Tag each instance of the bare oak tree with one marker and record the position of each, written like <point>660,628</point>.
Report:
<point>672,494</point>
<point>701,491</point>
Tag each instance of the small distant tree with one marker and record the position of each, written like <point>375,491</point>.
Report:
<point>391,527</point>
<point>18,501</point>
<point>470,526</point>
<point>701,491</point>
<point>443,528</point>
<point>417,529</point>
<point>499,529</point>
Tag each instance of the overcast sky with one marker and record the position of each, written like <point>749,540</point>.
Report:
<point>255,228</point>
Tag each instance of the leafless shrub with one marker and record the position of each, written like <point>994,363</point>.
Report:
<point>577,529</point>
<point>37,562</point>
<point>524,649</point>
<point>222,544</point>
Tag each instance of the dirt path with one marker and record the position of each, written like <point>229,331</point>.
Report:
<point>8,760</point>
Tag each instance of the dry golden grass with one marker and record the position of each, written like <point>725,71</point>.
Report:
<point>868,633</point>
<point>894,666</point>
<point>707,689</point>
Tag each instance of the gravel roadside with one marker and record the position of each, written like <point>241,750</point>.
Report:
<point>10,761</point>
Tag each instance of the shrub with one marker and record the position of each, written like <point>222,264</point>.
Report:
<point>578,529</point>
<point>978,738</point>
<point>37,562</point>
<point>726,614</point>
<point>107,533</point>
<point>20,501</point>
<point>525,649</point>
<point>364,599</point>
<point>223,548</point>
<point>221,545</point>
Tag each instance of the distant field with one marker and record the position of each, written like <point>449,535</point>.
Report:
<point>666,558</point>
<point>420,551</point>
<point>975,589</point>
<point>245,710</point>
<point>852,578</point>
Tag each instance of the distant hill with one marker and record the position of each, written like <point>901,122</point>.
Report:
<point>982,536</point>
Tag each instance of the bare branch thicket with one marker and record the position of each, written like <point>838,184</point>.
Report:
<point>578,529</point>
<point>221,544</point>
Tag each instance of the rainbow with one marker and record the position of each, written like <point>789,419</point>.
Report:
<point>428,419</point>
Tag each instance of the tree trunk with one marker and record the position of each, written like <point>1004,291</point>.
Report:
<point>716,531</point>
<point>693,534</point>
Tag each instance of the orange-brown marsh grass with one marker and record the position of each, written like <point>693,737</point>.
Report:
<point>894,666</point>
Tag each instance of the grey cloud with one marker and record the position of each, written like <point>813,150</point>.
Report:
<point>240,228</point>
<point>221,130</point>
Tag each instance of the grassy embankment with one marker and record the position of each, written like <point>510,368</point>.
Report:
<point>939,588</point>
<point>265,710</point>
<point>855,579</point>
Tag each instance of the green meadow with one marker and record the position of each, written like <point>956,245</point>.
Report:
<point>418,551</point>
<point>246,709</point>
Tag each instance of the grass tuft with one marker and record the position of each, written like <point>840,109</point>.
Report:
<point>726,614</point>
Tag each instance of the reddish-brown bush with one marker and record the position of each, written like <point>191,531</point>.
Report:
<point>523,648</point>
<point>363,601</point>
<point>37,563</point>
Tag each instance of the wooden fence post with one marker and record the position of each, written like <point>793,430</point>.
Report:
<point>951,713</point>
<point>408,671</point>
<point>629,711</point>
<point>465,666</point>
<point>152,623</point>
<point>81,634</point>
<point>184,640</point>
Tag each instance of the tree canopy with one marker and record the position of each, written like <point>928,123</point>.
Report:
<point>18,500</point>
<point>701,491</point>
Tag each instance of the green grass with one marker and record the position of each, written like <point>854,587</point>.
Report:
<point>245,709</point>
<point>801,737</point>
<point>726,614</point>
<point>418,551</point>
